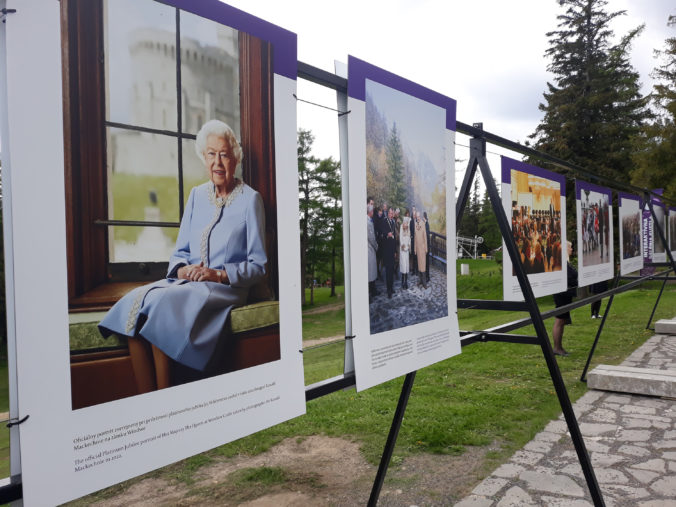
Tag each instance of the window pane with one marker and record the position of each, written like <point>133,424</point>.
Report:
<point>140,56</point>
<point>209,73</point>
<point>194,170</point>
<point>141,244</point>
<point>142,176</point>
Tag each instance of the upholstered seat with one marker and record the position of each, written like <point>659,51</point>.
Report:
<point>132,368</point>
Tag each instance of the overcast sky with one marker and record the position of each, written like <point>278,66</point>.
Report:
<point>486,54</point>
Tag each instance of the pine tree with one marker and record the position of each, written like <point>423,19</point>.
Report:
<point>469,224</point>
<point>395,164</point>
<point>655,155</point>
<point>308,200</point>
<point>488,227</point>
<point>330,216</point>
<point>594,107</point>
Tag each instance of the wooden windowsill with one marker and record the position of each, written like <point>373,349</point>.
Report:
<point>102,297</point>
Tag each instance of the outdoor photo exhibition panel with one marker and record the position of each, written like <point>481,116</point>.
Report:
<point>66,451</point>
<point>535,199</point>
<point>631,240</point>
<point>401,157</point>
<point>648,237</point>
<point>672,231</point>
<point>659,251</point>
<point>594,205</point>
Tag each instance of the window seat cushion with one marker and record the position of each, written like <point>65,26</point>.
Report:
<point>84,336</point>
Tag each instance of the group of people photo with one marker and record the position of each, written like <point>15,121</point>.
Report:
<point>595,231</point>
<point>398,245</point>
<point>660,213</point>
<point>537,233</point>
<point>631,236</point>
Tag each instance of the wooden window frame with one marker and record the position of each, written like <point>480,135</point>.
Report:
<point>90,285</point>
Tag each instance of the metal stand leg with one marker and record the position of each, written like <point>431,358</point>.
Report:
<point>391,438</point>
<point>652,314</point>
<point>478,149</point>
<point>583,378</point>
<point>661,236</point>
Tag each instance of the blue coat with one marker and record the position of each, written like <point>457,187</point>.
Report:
<point>186,319</point>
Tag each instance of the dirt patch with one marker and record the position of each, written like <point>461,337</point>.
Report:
<point>316,470</point>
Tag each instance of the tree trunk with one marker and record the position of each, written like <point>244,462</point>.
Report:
<point>333,272</point>
<point>312,287</point>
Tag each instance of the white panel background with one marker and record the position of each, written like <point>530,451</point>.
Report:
<point>588,275</point>
<point>630,207</point>
<point>364,342</point>
<point>511,291</point>
<point>33,179</point>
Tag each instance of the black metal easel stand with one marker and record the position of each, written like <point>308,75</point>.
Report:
<point>583,377</point>
<point>663,239</point>
<point>478,158</point>
<point>657,301</point>
<point>478,155</point>
<point>391,439</point>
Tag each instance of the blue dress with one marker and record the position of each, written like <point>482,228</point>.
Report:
<point>187,319</point>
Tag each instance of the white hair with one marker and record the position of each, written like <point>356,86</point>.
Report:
<point>220,129</point>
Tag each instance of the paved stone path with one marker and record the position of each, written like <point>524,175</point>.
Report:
<point>409,306</point>
<point>631,440</point>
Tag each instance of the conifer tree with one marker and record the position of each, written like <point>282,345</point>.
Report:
<point>469,224</point>
<point>308,199</point>
<point>655,155</point>
<point>593,108</point>
<point>488,227</point>
<point>330,217</point>
<point>395,163</point>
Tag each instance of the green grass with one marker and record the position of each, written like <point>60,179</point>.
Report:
<point>322,297</point>
<point>477,266</point>
<point>320,325</point>
<point>323,362</point>
<point>494,394</point>
<point>262,475</point>
<point>131,197</point>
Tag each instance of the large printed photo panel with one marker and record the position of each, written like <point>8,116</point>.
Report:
<point>594,206</point>
<point>178,135</point>
<point>631,238</point>
<point>401,159</point>
<point>535,199</point>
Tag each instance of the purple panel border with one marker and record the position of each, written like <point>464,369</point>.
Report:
<point>658,202</point>
<point>581,185</point>
<point>509,163</point>
<point>285,55</point>
<point>359,71</point>
<point>629,197</point>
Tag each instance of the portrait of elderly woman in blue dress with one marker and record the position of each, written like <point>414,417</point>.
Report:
<point>219,256</point>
